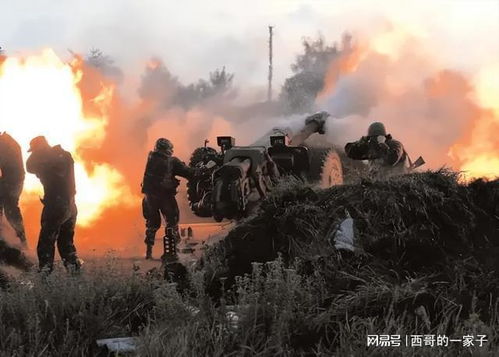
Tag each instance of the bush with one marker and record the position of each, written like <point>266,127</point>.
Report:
<point>425,264</point>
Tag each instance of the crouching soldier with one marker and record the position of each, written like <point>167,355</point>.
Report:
<point>55,168</point>
<point>11,183</point>
<point>386,156</point>
<point>159,187</point>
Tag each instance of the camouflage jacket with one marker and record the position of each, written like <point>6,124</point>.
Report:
<point>388,155</point>
<point>159,175</point>
<point>55,169</point>
<point>11,161</point>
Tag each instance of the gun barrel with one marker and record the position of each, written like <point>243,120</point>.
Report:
<point>315,123</point>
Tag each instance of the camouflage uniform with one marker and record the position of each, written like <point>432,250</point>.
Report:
<point>386,156</point>
<point>11,183</point>
<point>159,187</point>
<point>55,168</point>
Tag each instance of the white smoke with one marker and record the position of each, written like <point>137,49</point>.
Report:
<point>194,37</point>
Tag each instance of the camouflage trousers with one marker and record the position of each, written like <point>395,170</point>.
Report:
<point>153,208</point>
<point>9,206</point>
<point>58,226</point>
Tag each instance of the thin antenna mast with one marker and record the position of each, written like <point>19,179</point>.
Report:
<point>269,93</point>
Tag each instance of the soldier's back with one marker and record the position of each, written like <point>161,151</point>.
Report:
<point>11,160</point>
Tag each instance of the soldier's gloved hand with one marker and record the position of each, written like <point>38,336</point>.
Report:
<point>383,148</point>
<point>211,164</point>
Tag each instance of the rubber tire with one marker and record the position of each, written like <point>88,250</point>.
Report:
<point>197,156</point>
<point>326,169</point>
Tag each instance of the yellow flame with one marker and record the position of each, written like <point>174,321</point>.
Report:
<point>39,96</point>
<point>487,87</point>
<point>480,157</point>
<point>486,166</point>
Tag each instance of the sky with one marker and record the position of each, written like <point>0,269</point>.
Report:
<point>194,37</point>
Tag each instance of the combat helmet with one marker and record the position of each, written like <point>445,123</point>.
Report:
<point>164,145</point>
<point>376,129</point>
<point>37,143</point>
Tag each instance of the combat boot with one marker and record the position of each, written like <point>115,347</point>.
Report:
<point>73,266</point>
<point>148,251</point>
<point>173,232</point>
<point>149,241</point>
<point>169,247</point>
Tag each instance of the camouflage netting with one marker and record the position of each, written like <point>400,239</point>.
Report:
<point>420,225</point>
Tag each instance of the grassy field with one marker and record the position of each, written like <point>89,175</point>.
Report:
<point>280,312</point>
<point>297,295</point>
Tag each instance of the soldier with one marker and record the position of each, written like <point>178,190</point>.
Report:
<point>386,156</point>
<point>55,168</point>
<point>159,187</point>
<point>11,183</point>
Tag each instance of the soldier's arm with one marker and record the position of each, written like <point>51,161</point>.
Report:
<point>358,150</point>
<point>33,164</point>
<point>393,152</point>
<point>182,170</point>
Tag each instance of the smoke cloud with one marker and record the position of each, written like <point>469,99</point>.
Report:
<point>415,70</point>
<point>427,106</point>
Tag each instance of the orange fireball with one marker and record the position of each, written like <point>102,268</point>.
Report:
<point>478,152</point>
<point>39,95</point>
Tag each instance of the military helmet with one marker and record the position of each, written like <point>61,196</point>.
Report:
<point>376,129</point>
<point>163,145</point>
<point>37,143</point>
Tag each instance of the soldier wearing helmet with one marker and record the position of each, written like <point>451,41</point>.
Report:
<point>386,155</point>
<point>11,183</point>
<point>54,166</point>
<point>159,187</point>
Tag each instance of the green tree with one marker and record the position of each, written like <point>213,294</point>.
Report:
<point>218,84</point>
<point>309,70</point>
<point>159,84</point>
<point>105,64</point>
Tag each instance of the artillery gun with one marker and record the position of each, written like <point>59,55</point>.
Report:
<point>306,154</point>
<point>238,177</point>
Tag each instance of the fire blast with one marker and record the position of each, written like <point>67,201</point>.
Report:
<point>39,95</point>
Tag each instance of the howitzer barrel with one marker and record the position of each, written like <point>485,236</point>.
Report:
<point>312,124</point>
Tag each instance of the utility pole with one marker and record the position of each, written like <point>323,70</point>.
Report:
<point>269,93</point>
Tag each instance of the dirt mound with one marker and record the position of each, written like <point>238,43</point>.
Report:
<point>422,223</point>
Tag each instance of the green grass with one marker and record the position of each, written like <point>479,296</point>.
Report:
<point>293,293</point>
<point>282,311</point>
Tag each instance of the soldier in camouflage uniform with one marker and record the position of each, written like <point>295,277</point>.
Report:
<point>159,187</point>
<point>386,155</point>
<point>55,168</point>
<point>11,183</point>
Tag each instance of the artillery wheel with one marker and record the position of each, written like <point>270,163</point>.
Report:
<point>197,156</point>
<point>200,154</point>
<point>325,167</point>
